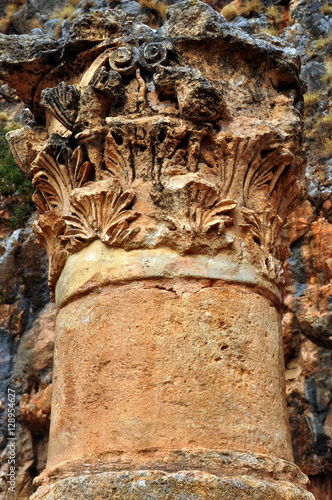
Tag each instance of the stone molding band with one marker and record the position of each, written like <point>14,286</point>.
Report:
<point>220,464</point>
<point>98,265</point>
<point>164,160</point>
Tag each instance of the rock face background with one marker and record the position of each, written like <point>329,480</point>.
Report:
<point>27,316</point>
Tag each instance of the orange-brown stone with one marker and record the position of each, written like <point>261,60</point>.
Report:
<point>170,163</point>
<point>169,365</point>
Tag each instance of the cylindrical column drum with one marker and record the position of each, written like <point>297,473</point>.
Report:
<point>180,378</point>
<point>165,164</point>
<point>153,366</point>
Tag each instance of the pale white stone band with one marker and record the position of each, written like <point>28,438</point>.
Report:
<point>99,265</point>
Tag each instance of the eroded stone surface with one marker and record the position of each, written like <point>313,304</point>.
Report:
<point>181,485</point>
<point>182,143</point>
<point>98,265</point>
<point>168,380</point>
<point>202,158</point>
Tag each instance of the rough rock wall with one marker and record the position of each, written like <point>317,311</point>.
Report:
<point>308,318</point>
<point>27,318</point>
<point>26,347</point>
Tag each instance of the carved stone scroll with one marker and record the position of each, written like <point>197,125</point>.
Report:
<point>165,164</point>
<point>203,148</point>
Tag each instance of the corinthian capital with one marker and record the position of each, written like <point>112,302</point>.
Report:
<point>185,138</point>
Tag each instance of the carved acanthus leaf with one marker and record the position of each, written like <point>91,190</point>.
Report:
<point>62,101</point>
<point>252,224</point>
<point>265,227</point>
<point>287,194</point>
<point>51,181</point>
<point>152,148</point>
<point>267,162</point>
<point>81,168</point>
<point>200,210</point>
<point>25,144</point>
<point>47,229</point>
<point>100,211</point>
<point>272,269</point>
<point>244,166</point>
<point>118,159</point>
<point>58,170</point>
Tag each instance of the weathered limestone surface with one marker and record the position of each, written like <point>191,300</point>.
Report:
<point>162,386</point>
<point>162,166</point>
<point>178,486</point>
<point>165,164</point>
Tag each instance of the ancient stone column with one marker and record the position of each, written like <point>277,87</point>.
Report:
<point>165,164</point>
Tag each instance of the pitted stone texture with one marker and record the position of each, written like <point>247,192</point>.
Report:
<point>99,265</point>
<point>186,137</point>
<point>159,485</point>
<point>171,364</point>
<point>216,462</point>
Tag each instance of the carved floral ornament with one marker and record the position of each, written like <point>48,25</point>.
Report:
<point>149,152</point>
